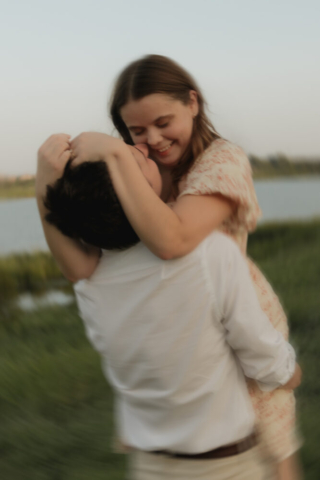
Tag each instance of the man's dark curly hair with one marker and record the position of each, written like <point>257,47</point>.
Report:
<point>83,205</point>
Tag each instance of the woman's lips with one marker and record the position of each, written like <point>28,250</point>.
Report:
<point>164,152</point>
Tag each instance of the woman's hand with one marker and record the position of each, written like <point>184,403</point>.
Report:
<point>52,158</point>
<point>93,146</point>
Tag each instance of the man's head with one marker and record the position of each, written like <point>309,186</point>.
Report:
<point>83,205</point>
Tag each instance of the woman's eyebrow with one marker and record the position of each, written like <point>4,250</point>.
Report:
<point>162,117</point>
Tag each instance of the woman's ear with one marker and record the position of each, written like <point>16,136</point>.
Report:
<point>194,105</point>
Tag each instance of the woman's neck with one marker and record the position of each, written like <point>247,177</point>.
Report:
<point>166,192</point>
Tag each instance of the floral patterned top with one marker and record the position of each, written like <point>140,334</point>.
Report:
<point>224,168</point>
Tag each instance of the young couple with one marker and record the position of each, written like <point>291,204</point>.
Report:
<point>175,318</point>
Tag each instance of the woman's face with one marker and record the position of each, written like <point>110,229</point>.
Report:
<point>148,167</point>
<point>163,124</point>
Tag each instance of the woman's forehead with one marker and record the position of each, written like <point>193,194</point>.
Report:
<point>147,109</point>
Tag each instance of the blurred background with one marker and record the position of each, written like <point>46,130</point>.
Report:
<point>257,63</point>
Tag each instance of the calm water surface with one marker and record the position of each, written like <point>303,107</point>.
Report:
<point>21,229</point>
<point>284,199</point>
<point>29,302</point>
<point>289,199</point>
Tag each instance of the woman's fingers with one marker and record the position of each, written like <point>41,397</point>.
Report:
<point>53,140</point>
<point>54,145</point>
<point>58,144</point>
<point>52,149</point>
<point>65,156</point>
<point>81,148</point>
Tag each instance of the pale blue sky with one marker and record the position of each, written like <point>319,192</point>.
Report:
<point>256,61</point>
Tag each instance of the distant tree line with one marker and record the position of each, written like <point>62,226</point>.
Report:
<point>18,188</point>
<point>280,165</point>
<point>273,166</point>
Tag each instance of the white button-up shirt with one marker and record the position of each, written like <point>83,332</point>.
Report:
<point>176,338</point>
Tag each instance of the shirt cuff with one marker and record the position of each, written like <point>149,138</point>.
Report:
<point>288,371</point>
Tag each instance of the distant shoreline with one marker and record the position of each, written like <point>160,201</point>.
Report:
<point>280,166</point>
<point>277,166</point>
<point>19,188</point>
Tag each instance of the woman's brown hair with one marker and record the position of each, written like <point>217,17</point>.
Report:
<point>159,74</point>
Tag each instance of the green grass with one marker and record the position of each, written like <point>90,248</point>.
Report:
<point>56,407</point>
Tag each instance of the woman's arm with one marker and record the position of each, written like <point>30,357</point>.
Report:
<point>75,260</point>
<point>168,233</point>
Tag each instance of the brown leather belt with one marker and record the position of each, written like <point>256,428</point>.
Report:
<point>220,452</point>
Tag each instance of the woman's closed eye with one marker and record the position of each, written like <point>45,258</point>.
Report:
<point>136,132</point>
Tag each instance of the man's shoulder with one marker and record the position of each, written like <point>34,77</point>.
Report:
<point>116,262</point>
<point>220,252</point>
<point>219,243</point>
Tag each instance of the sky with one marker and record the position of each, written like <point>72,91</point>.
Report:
<point>256,61</point>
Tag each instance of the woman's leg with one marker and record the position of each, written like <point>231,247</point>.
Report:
<point>275,410</point>
<point>290,469</point>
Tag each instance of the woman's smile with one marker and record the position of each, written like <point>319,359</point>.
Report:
<point>163,123</point>
<point>165,151</point>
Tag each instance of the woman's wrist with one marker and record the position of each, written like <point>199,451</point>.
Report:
<point>113,150</point>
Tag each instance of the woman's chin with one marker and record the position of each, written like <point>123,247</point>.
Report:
<point>169,161</point>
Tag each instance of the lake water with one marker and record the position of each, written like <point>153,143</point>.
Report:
<point>281,199</point>
<point>29,302</point>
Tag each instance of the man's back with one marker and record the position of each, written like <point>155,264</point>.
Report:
<point>162,329</point>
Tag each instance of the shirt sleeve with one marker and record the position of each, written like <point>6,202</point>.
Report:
<point>88,306</point>
<point>262,351</point>
<point>224,168</point>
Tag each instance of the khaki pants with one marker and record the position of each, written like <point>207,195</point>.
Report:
<point>149,466</point>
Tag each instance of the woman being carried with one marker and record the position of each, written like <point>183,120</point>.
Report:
<point>207,184</point>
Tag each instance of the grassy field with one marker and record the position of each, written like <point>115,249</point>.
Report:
<point>55,405</point>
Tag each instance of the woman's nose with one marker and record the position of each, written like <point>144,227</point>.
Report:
<point>153,137</point>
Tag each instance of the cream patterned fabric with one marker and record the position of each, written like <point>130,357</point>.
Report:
<point>224,168</point>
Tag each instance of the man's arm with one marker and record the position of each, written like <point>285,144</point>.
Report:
<point>262,351</point>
